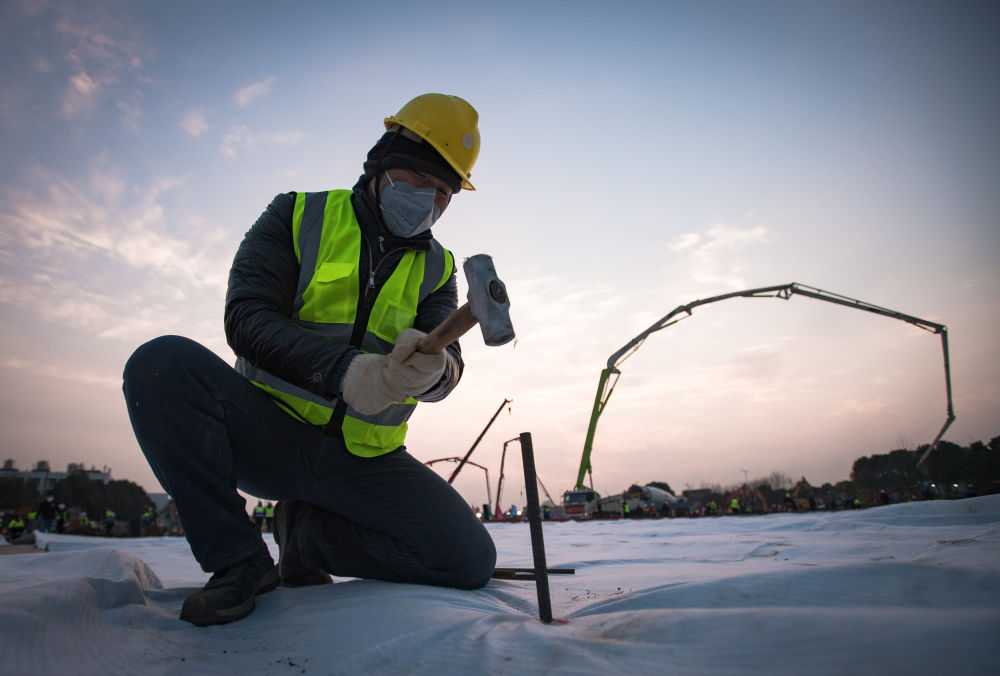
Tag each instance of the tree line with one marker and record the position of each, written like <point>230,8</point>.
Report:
<point>950,471</point>
<point>976,465</point>
<point>127,499</point>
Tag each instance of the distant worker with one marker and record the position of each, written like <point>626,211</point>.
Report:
<point>258,515</point>
<point>47,515</point>
<point>15,527</point>
<point>147,520</point>
<point>329,296</point>
<point>62,518</point>
<point>109,521</point>
<point>269,517</point>
<point>734,505</point>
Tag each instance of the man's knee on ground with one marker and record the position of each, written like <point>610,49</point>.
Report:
<point>475,568</point>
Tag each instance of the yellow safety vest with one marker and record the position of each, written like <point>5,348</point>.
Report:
<point>328,246</point>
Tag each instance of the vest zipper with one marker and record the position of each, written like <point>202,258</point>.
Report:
<point>367,300</point>
<point>372,267</point>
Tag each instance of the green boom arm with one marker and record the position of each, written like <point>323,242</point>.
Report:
<point>609,375</point>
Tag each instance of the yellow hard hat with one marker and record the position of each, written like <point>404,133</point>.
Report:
<point>449,124</point>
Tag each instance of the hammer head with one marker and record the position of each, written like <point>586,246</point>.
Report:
<point>488,300</point>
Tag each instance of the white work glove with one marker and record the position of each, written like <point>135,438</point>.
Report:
<point>373,382</point>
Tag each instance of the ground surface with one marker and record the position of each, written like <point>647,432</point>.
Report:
<point>903,589</point>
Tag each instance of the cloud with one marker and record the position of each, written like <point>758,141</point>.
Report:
<point>80,97</point>
<point>684,242</point>
<point>105,258</point>
<point>251,93</point>
<point>876,405</point>
<point>719,237</point>
<point>194,122</point>
<point>99,55</point>
<point>75,375</point>
<point>131,114</point>
<point>239,139</point>
<point>714,256</point>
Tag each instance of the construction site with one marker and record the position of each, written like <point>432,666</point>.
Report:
<point>649,500</point>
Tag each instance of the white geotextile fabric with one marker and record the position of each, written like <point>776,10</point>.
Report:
<point>902,589</point>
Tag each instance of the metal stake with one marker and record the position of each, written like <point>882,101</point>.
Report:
<point>535,523</point>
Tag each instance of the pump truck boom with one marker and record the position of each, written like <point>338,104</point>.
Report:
<point>610,374</point>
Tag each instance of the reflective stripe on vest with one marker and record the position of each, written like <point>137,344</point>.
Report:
<point>328,246</point>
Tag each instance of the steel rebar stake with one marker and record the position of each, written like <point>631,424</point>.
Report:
<point>535,523</point>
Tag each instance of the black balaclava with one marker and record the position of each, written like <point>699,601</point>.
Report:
<point>394,150</point>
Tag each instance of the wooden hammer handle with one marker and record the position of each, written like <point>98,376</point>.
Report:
<point>448,331</point>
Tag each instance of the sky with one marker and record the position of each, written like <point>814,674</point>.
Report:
<point>634,158</point>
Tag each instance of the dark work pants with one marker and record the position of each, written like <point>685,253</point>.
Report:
<point>206,431</point>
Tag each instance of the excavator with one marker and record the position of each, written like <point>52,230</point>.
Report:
<point>751,501</point>
<point>581,500</point>
<point>801,494</point>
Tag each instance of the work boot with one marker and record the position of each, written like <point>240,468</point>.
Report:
<point>229,594</point>
<point>290,567</point>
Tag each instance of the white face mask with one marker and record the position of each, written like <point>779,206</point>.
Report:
<point>408,210</point>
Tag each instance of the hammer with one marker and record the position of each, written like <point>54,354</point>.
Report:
<point>488,305</point>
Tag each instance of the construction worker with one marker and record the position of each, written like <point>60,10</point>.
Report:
<point>147,520</point>
<point>47,514</point>
<point>329,294</point>
<point>269,517</point>
<point>109,521</point>
<point>15,527</point>
<point>258,515</point>
<point>62,518</point>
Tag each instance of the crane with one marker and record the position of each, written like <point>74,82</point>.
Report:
<point>503,457</point>
<point>464,461</point>
<point>610,374</point>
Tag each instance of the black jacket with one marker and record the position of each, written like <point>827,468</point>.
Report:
<point>262,286</point>
<point>46,510</point>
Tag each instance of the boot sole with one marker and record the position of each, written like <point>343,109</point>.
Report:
<point>307,578</point>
